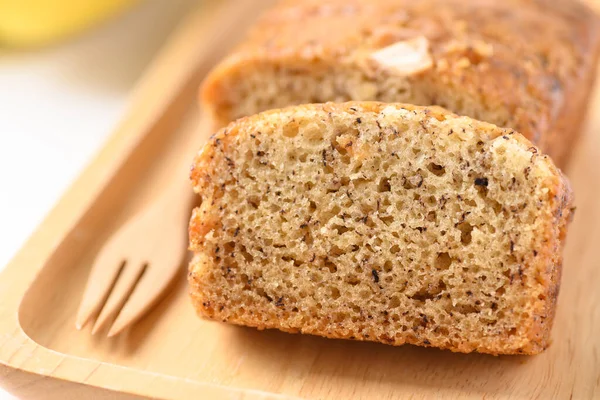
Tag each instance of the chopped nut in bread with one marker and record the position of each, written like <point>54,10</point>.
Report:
<point>405,57</point>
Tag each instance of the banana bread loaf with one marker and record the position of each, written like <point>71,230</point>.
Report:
<point>523,64</point>
<point>382,222</point>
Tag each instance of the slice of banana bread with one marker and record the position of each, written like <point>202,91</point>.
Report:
<point>383,222</point>
<point>522,64</point>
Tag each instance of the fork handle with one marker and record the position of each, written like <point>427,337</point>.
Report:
<point>180,192</point>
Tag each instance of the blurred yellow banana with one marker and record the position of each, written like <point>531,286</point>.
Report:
<point>26,23</point>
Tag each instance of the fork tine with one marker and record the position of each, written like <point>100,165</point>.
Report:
<point>104,271</point>
<point>147,292</point>
<point>122,289</point>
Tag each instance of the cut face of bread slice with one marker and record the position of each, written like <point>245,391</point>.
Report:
<point>523,64</point>
<point>382,222</point>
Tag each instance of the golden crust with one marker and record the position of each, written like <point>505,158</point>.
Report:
<point>533,60</point>
<point>544,263</point>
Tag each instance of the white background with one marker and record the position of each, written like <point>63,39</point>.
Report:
<point>58,105</point>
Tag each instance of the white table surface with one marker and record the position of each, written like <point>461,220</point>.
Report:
<point>58,105</point>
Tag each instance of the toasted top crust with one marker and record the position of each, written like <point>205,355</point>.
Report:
<point>528,57</point>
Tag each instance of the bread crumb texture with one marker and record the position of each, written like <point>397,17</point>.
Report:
<point>381,222</point>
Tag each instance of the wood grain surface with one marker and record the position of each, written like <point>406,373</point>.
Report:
<point>173,354</point>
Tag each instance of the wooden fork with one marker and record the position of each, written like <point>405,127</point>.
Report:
<point>139,262</point>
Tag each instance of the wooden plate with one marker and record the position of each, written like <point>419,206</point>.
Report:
<point>173,354</point>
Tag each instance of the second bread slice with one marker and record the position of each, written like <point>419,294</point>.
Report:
<point>522,64</point>
<point>390,223</point>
